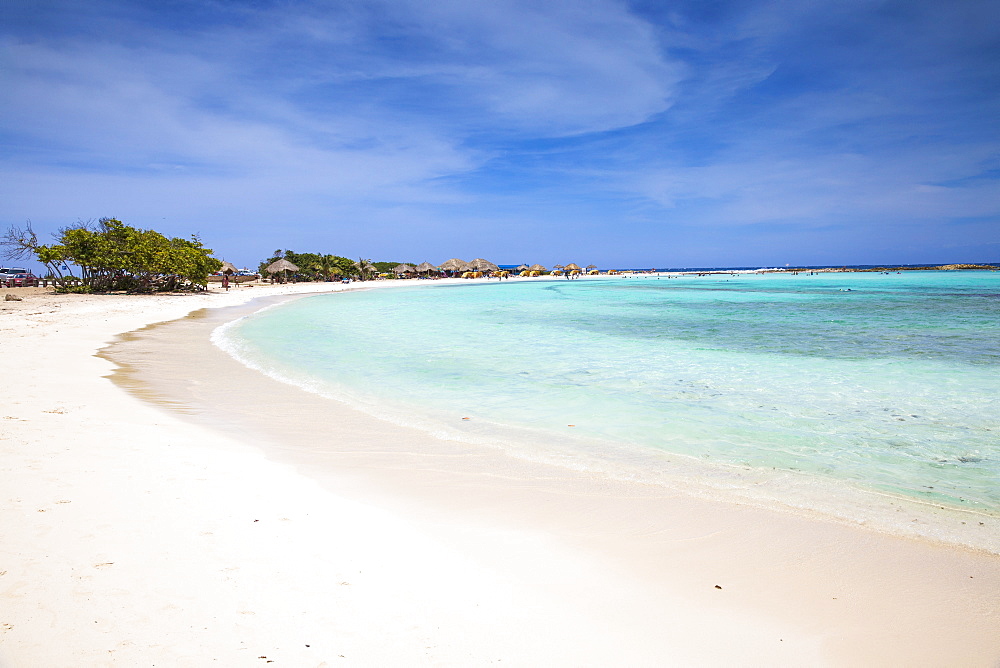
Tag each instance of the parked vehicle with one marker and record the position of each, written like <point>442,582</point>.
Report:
<point>10,272</point>
<point>22,280</point>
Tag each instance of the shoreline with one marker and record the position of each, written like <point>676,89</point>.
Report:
<point>845,501</point>
<point>488,557</point>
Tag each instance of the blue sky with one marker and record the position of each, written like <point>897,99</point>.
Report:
<point>652,133</point>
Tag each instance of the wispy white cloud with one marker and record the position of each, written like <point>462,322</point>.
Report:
<point>212,100</point>
<point>814,190</point>
<point>465,117</point>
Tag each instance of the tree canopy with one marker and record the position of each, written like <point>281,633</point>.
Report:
<point>316,266</point>
<point>320,267</point>
<point>113,256</point>
<point>387,267</point>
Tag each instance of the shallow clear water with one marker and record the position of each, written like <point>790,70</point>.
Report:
<point>882,382</point>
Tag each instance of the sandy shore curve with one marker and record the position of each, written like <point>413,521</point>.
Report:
<point>196,511</point>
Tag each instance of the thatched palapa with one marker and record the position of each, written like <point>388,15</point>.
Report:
<point>479,264</point>
<point>454,264</point>
<point>536,267</point>
<point>281,265</point>
<point>403,269</point>
<point>425,267</point>
<point>228,268</point>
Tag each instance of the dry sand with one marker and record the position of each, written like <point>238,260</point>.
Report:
<point>211,515</point>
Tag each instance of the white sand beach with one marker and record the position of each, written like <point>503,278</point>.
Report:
<point>192,512</point>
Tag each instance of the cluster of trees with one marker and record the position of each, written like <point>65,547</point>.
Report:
<point>320,267</point>
<point>113,256</point>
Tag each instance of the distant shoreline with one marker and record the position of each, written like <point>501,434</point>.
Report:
<point>940,267</point>
<point>850,268</point>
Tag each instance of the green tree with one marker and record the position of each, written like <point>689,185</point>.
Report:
<point>387,267</point>
<point>317,266</point>
<point>364,269</point>
<point>330,266</point>
<point>344,266</point>
<point>114,256</point>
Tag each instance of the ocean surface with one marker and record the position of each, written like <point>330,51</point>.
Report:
<point>793,386</point>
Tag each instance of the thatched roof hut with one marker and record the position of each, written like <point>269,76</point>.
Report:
<point>424,267</point>
<point>281,265</point>
<point>454,264</point>
<point>403,269</point>
<point>479,264</point>
<point>228,268</point>
<point>536,267</point>
<point>522,267</point>
<point>571,266</point>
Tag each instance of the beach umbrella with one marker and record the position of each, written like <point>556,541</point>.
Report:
<point>226,270</point>
<point>479,264</point>
<point>591,266</point>
<point>536,267</point>
<point>522,267</point>
<point>454,264</point>
<point>571,266</point>
<point>558,266</point>
<point>283,266</point>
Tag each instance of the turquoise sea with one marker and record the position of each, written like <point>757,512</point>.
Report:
<point>874,383</point>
